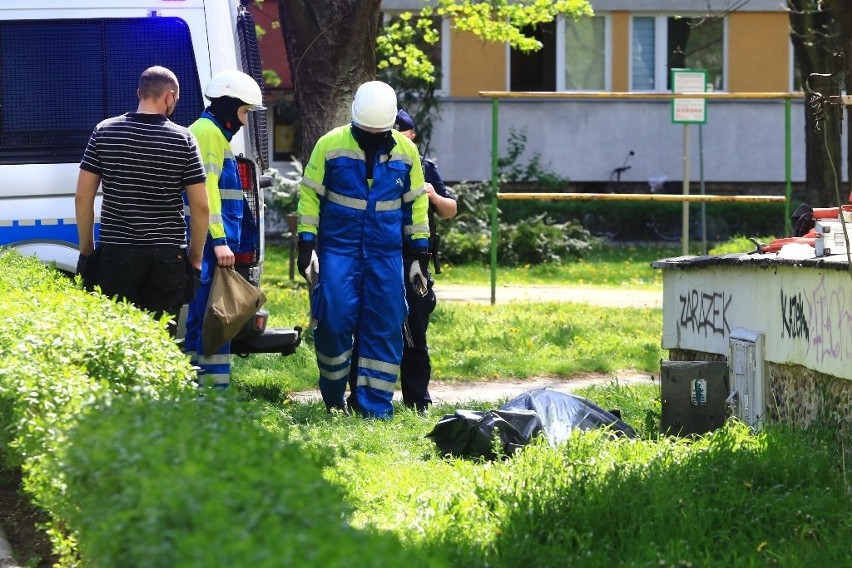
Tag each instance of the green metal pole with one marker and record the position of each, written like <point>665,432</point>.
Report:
<point>788,164</point>
<point>494,144</point>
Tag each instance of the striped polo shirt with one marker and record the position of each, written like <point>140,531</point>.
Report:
<point>145,161</point>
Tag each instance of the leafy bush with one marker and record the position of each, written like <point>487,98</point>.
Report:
<point>98,409</point>
<point>466,239</point>
<point>539,240</point>
<point>202,484</point>
<point>65,353</point>
<point>738,244</point>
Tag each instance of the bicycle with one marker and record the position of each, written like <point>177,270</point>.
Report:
<point>600,225</point>
<point>614,184</point>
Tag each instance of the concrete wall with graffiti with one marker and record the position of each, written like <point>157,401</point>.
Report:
<point>804,312</point>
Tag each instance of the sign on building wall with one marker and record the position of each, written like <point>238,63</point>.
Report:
<point>689,111</point>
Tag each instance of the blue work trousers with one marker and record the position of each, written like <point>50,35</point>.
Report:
<point>364,296</point>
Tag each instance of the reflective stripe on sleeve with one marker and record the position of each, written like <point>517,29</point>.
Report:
<point>409,230</point>
<point>235,194</point>
<point>413,194</point>
<point>309,220</point>
<point>318,187</point>
<point>215,169</point>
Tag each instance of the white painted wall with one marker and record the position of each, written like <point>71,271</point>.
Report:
<point>585,139</point>
<point>805,312</point>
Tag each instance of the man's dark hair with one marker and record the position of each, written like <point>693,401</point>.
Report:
<point>155,81</point>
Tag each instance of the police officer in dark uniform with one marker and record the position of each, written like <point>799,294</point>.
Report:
<point>416,368</point>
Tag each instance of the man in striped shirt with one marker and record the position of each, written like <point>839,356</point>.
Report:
<point>144,162</point>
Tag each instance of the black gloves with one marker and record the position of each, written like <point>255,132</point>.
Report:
<point>308,263</point>
<point>418,271</point>
<point>82,262</point>
<point>193,280</point>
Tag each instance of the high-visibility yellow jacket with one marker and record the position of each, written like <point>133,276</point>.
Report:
<point>355,216</point>
<point>224,189</point>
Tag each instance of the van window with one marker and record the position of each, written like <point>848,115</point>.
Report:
<point>59,78</point>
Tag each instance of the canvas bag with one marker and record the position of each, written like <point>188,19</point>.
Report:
<point>233,301</point>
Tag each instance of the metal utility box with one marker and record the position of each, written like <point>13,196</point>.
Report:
<point>693,396</point>
<point>830,238</point>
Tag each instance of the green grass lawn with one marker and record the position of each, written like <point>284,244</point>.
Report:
<point>475,342</point>
<point>729,498</point>
<point>611,267</point>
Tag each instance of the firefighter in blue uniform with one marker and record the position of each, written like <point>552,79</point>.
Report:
<point>232,95</point>
<point>362,198</point>
<point>416,369</point>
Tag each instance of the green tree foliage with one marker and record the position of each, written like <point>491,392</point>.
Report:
<point>499,21</point>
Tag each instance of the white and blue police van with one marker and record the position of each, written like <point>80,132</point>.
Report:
<point>65,65</point>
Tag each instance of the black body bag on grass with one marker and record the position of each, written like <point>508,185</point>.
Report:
<point>470,433</point>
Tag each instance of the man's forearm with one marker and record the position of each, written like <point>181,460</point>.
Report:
<point>445,207</point>
<point>199,221</point>
<point>198,235</point>
<point>84,208</point>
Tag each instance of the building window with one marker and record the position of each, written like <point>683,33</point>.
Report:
<point>662,43</point>
<point>535,70</point>
<point>574,57</point>
<point>585,66</point>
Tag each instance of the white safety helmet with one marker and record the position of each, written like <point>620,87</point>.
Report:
<point>235,84</point>
<point>374,106</point>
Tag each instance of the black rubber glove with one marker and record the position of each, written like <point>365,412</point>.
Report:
<point>307,262</point>
<point>420,256</point>
<point>82,262</point>
<point>193,280</point>
<point>417,273</point>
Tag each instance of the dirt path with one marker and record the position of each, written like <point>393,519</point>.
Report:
<point>459,393</point>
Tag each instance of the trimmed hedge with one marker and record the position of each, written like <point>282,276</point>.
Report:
<point>171,484</point>
<point>98,409</point>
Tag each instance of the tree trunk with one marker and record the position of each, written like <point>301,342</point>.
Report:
<point>331,51</point>
<point>814,34</point>
<point>843,15</point>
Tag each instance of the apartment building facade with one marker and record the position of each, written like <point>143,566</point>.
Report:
<point>628,46</point>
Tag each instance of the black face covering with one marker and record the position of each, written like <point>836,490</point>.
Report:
<point>224,109</point>
<point>371,143</point>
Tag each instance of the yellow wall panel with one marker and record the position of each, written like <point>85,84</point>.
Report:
<point>475,65</point>
<point>758,52</point>
<point>620,23</point>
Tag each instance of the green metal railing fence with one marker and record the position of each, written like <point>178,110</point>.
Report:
<point>496,195</point>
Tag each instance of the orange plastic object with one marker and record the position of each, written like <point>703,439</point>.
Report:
<point>826,212</point>
<point>808,238</point>
<point>776,245</point>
